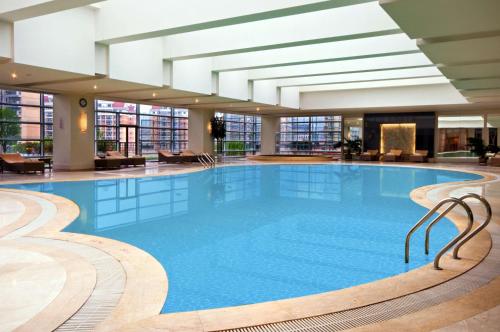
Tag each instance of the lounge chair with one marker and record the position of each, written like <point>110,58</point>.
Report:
<point>107,163</point>
<point>127,161</point>
<point>16,163</point>
<point>495,160</point>
<point>188,156</point>
<point>393,155</point>
<point>370,155</point>
<point>420,156</point>
<point>168,157</point>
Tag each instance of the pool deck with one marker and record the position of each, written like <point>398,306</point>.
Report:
<point>74,282</point>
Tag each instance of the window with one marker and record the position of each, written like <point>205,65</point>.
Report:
<point>26,123</point>
<point>454,132</point>
<point>242,134</point>
<point>309,135</point>
<point>140,129</point>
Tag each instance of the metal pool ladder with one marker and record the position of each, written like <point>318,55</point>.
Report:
<point>461,238</point>
<point>206,160</point>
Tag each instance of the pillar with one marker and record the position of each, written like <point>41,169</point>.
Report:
<point>73,132</point>
<point>486,130</point>
<point>270,127</point>
<point>200,139</point>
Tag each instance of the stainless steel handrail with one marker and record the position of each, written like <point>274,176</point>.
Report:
<point>206,160</point>
<point>427,216</point>
<point>485,223</point>
<point>202,161</point>
<point>209,157</point>
<point>469,236</point>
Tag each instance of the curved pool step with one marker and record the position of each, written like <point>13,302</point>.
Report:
<point>108,289</point>
<point>38,212</point>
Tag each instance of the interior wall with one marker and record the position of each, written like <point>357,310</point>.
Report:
<point>425,125</point>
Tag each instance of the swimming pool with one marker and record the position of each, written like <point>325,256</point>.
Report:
<point>247,234</point>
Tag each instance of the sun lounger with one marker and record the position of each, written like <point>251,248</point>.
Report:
<point>16,163</point>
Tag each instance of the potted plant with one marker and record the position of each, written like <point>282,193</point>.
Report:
<point>218,132</point>
<point>351,146</point>
<point>478,148</point>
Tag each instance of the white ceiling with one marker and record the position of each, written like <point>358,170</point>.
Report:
<point>264,56</point>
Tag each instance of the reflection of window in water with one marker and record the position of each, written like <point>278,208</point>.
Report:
<point>399,189</point>
<point>231,184</point>
<point>128,201</point>
<point>310,182</point>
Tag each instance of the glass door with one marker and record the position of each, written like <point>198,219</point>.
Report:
<point>128,140</point>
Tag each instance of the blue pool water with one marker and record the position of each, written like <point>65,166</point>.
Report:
<point>246,234</point>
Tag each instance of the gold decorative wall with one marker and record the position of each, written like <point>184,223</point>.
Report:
<point>399,136</point>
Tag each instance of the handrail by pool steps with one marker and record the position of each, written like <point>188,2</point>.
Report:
<point>206,160</point>
<point>460,239</point>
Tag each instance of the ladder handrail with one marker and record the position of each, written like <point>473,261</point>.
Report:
<point>459,245</point>
<point>209,157</point>
<point>428,215</point>
<point>470,221</point>
<point>202,161</point>
<point>206,160</point>
<point>485,223</point>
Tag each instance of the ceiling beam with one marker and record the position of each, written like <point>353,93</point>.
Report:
<point>168,17</point>
<point>16,10</point>
<point>337,51</point>
<point>396,62</point>
<point>361,77</point>
<point>375,84</point>
<point>315,27</point>
<point>444,18</point>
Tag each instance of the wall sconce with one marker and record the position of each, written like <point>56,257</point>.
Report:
<point>209,128</point>
<point>83,122</point>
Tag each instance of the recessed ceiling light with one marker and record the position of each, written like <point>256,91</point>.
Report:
<point>13,75</point>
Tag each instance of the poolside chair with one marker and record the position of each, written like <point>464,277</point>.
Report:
<point>107,163</point>
<point>127,161</point>
<point>16,163</point>
<point>168,157</point>
<point>188,156</point>
<point>420,156</point>
<point>370,155</point>
<point>495,160</point>
<point>393,155</point>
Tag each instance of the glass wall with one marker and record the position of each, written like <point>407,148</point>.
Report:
<point>242,134</point>
<point>26,123</point>
<point>140,129</point>
<point>309,135</point>
<point>454,132</point>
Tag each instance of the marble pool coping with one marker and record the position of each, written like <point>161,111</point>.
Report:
<point>147,284</point>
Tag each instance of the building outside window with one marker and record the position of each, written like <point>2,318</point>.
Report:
<point>309,135</point>
<point>242,134</point>
<point>26,123</point>
<point>140,129</point>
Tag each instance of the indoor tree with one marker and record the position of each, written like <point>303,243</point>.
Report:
<point>9,126</point>
<point>218,131</point>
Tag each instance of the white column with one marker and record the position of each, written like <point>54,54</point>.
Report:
<point>200,139</point>
<point>486,131</point>
<point>270,126</point>
<point>73,133</point>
